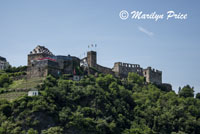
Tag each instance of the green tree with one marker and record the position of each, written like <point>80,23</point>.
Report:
<point>135,78</point>
<point>32,131</point>
<point>5,80</point>
<point>186,91</point>
<point>198,95</point>
<point>50,81</point>
<point>53,130</point>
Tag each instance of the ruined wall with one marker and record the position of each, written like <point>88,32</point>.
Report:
<point>3,63</point>
<point>152,75</point>
<point>104,70</point>
<point>43,68</point>
<point>68,63</point>
<point>32,57</point>
<point>92,62</point>
<point>122,69</point>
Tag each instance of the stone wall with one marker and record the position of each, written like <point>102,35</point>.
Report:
<point>104,70</point>
<point>68,63</point>
<point>152,75</point>
<point>41,62</point>
<point>43,68</point>
<point>33,57</point>
<point>122,69</point>
<point>3,63</point>
<point>92,62</point>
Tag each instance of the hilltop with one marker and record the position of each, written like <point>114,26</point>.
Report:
<point>79,96</point>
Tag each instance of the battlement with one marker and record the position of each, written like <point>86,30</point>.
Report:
<point>154,70</point>
<point>122,69</point>
<point>128,65</point>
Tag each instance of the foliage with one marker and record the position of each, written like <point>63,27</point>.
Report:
<point>186,91</point>
<point>100,105</point>
<point>135,78</point>
<point>5,80</point>
<point>198,95</point>
<point>16,69</point>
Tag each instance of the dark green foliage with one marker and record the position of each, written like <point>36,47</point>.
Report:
<point>186,91</point>
<point>102,105</point>
<point>198,95</point>
<point>5,80</point>
<point>16,69</point>
<point>135,78</point>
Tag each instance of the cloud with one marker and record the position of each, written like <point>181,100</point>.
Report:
<point>149,33</point>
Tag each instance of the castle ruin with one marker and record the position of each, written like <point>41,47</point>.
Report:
<point>122,69</point>
<point>42,62</point>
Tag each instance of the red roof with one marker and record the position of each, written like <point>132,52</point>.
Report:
<point>47,58</point>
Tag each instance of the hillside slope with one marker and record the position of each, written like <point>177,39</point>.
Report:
<point>101,105</point>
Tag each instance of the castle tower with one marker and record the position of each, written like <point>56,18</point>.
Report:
<point>92,58</point>
<point>38,52</point>
<point>152,75</point>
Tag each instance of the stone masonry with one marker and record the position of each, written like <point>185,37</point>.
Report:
<point>42,62</point>
<point>3,63</point>
<point>122,69</point>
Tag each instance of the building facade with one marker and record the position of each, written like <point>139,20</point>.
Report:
<point>42,62</point>
<point>3,63</point>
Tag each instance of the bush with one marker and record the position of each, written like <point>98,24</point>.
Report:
<point>5,80</point>
<point>186,91</point>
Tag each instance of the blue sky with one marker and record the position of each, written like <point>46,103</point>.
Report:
<point>69,26</point>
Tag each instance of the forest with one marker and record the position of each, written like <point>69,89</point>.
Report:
<point>100,104</point>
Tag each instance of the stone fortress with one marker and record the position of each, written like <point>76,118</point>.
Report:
<point>122,69</point>
<point>42,62</point>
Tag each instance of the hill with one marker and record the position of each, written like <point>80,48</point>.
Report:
<point>101,104</point>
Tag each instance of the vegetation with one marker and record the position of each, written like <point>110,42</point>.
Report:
<point>102,104</point>
<point>5,80</point>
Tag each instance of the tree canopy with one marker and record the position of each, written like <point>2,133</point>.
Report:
<point>102,104</point>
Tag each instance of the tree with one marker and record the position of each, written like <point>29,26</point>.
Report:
<point>6,109</point>
<point>198,95</point>
<point>32,131</point>
<point>5,80</point>
<point>186,91</point>
<point>135,78</point>
<point>53,130</point>
<point>50,81</point>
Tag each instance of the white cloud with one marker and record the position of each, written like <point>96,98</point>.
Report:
<point>149,33</point>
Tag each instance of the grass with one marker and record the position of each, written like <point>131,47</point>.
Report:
<point>12,95</point>
<point>25,84</point>
<point>20,87</point>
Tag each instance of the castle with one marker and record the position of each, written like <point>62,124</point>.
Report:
<point>42,62</point>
